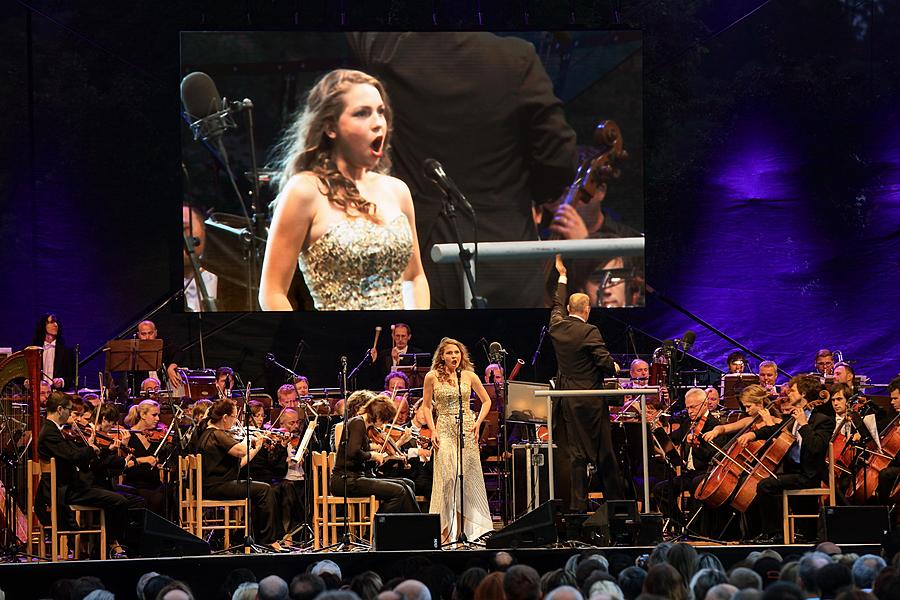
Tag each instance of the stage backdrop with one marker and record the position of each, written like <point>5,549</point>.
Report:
<point>772,181</point>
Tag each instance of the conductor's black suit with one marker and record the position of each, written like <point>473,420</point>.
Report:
<point>581,425</point>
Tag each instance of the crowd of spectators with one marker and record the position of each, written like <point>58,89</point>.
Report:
<point>673,571</point>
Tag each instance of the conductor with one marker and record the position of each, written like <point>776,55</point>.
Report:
<point>580,425</point>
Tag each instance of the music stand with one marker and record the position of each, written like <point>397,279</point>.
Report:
<point>133,355</point>
<point>415,374</point>
<point>732,384</point>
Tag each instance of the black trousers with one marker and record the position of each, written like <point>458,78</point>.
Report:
<point>665,492</point>
<point>887,479</point>
<point>768,495</point>
<point>394,495</point>
<point>115,505</point>
<point>262,496</point>
<point>292,501</point>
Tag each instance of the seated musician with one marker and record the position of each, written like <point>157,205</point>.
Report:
<point>768,375</point>
<point>824,362</point>
<point>115,457</point>
<point>856,428</point>
<point>223,458</point>
<point>301,384</point>
<point>754,399</point>
<point>397,380</point>
<point>150,387</point>
<point>890,475</point>
<point>736,362</point>
<point>696,451</point>
<point>844,373</point>
<point>713,402</point>
<point>144,475</point>
<point>292,488</point>
<point>354,403</point>
<point>224,382</point>
<point>804,465</point>
<point>639,372</point>
<point>70,459</point>
<point>396,495</point>
<point>287,396</point>
<point>270,463</point>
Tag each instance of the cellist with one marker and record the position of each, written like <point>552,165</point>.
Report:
<point>889,476</point>
<point>696,451</point>
<point>804,464</point>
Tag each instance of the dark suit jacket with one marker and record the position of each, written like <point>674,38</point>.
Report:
<point>816,436</point>
<point>52,444</point>
<point>582,362</point>
<point>64,366</point>
<point>703,453</point>
<point>483,105</point>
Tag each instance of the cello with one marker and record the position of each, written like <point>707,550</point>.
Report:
<point>774,451</point>
<point>865,484</point>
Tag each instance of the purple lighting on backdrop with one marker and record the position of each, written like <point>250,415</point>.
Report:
<point>764,268</point>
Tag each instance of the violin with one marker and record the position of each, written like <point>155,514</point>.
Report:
<point>155,435</point>
<point>379,437</point>
<point>693,437</point>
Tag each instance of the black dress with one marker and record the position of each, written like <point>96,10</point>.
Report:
<point>220,482</point>
<point>396,495</point>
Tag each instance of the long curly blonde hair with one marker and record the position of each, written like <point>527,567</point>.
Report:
<point>305,145</point>
<point>437,361</point>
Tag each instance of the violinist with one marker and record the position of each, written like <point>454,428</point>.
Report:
<point>696,451</point>
<point>804,464</point>
<point>224,382</point>
<point>71,458</point>
<point>270,463</point>
<point>857,429</point>
<point>301,384</point>
<point>397,380</point>
<point>291,490</point>
<point>144,475</point>
<point>890,475</point>
<point>350,466</point>
<point>223,458</point>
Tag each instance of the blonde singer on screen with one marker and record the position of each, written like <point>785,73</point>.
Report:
<point>349,224</point>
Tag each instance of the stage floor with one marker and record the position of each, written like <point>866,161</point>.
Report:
<point>205,573</point>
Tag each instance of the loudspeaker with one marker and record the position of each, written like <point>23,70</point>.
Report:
<point>532,530</point>
<point>148,535</point>
<point>530,477</point>
<point>614,523</point>
<point>408,531</point>
<point>856,524</point>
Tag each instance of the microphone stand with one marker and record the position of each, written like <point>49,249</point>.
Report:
<point>537,351</point>
<point>461,538</point>
<point>465,256</point>
<point>352,377</point>
<point>206,303</point>
<point>347,542</point>
<point>271,358</point>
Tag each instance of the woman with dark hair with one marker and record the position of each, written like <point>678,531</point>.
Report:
<point>223,457</point>
<point>685,560</point>
<point>396,495</point>
<point>450,382</point>
<point>665,581</point>
<point>351,226</point>
<point>59,360</point>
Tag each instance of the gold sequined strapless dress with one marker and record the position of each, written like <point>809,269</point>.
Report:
<point>358,265</point>
<point>445,491</point>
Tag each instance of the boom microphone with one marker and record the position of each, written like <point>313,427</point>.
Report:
<point>687,340</point>
<point>209,114</point>
<point>435,171</point>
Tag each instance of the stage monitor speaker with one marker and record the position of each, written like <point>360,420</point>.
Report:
<point>149,535</point>
<point>614,523</point>
<point>408,531</point>
<point>533,530</point>
<point>856,524</point>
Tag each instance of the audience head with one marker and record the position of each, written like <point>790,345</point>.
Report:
<point>491,587</point>
<point>501,561</point>
<point>306,586</point>
<point>522,582</point>
<point>413,589</point>
<point>665,580</point>
<point>326,566</point>
<point>832,578</point>
<point>631,582</point>
<point>564,592</point>
<point>274,587</point>
<point>142,582</point>
<point>177,590</point>
<point>467,582</point>
<point>782,590</point>
<point>705,579</point>
<point>769,569</point>
<point>606,589</point>
<point>557,578</point>
<point>246,591</point>
<point>685,560</point>
<point>156,584</point>
<point>232,581</point>
<point>865,569</point>
<point>659,554</point>
<point>709,561</point>
<point>720,591</point>
<point>743,578</point>
<point>748,594</point>
<point>808,567</point>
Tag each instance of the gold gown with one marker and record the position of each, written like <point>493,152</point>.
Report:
<point>358,265</point>
<point>445,488</point>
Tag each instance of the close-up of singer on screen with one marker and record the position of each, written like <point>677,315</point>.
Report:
<point>350,225</point>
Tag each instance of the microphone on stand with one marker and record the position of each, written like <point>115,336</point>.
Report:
<point>208,113</point>
<point>687,340</point>
<point>496,352</point>
<point>435,172</point>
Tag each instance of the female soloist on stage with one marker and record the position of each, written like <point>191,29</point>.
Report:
<point>352,226</point>
<point>451,373</point>
<point>396,495</point>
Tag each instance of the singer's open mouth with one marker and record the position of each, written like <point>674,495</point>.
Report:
<point>376,145</point>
